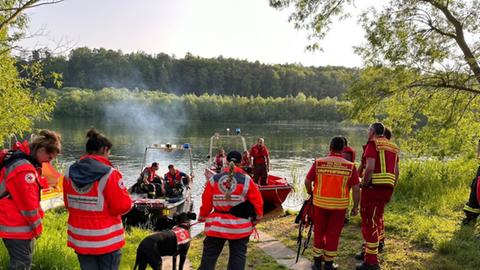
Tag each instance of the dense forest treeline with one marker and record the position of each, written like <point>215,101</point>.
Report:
<point>126,104</point>
<point>100,68</point>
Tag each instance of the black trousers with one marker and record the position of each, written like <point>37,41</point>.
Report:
<point>20,252</point>
<point>260,174</point>
<point>212,247</point>
<point>472,207</point>
<point>109,261</point>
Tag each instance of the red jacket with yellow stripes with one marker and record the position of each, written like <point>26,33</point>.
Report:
<point>94,220</point>
<point>219,222</point>
<point>20,212</point>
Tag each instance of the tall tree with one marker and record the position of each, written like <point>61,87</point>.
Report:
<point>423,51</point>
<point>19,107</point>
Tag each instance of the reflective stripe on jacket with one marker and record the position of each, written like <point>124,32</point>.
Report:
<point>331,189</point>
<point>220,223</point>
<point>20,211</point>
<point>93,228</point>
<point>388,158</point>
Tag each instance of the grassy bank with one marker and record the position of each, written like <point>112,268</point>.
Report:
<point>51,251</point>
<point>422,221</point>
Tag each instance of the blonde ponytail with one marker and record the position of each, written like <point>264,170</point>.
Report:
<point>231,167</point>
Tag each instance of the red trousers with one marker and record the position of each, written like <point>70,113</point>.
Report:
<point>327,227</point>
<point>372,205</point>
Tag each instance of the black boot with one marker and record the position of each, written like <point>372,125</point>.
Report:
<point>317,263</point>
<point>330,266</point>
<point>361,255</point>
<point>381,246</point>
<point>367,266</point>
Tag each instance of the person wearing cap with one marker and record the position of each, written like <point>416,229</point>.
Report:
<point>225,192</point>
<point>261,162</point>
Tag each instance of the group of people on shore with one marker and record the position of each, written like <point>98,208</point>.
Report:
<point>330,181</point>
<point>94,195</point>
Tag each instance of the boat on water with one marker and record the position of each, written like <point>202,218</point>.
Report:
<point>277,188</point>
<point>155,212</point>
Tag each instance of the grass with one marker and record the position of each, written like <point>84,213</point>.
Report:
<point>422,228</point>
<point>256,258</point>
<point>422,221</point>
<point>51,251</point>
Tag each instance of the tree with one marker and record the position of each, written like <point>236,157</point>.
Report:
<point>19,107</point>
<point>420,54</point>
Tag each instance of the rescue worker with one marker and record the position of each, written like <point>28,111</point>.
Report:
<point>174,179</point>
<point>20,211</point>
<point>96,198</point>
<point>245,164</point>
<point>381,224</point>
<point>261,162</point>
<point>151,182</point>
<point>472,207</point>
<point>220,159</point>
<point>348,153</point>
<point>225,190</point>
<point>380,177</point>
<point>332,177</point>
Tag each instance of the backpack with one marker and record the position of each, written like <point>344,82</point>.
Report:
<point>8,157</point>
<point>305,216</point>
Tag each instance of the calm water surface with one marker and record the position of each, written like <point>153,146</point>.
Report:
<point>293,147</point>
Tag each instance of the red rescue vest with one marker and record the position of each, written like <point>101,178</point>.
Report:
<point>331,186</point>
<point>220,223</point>
<point>384,174</point>
<point>182,235</point>
<point>20,211</point>
<point>92,230</point>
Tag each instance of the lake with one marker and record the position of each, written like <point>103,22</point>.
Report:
<point>292,146</point>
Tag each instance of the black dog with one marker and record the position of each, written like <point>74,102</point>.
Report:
<point>166,243</point>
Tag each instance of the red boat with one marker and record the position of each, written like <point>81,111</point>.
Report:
<point>277,188</point>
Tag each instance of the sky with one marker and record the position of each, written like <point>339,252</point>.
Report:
<point>242,29</point>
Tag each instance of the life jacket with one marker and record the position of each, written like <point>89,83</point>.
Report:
<point>151,173</point>
<point>173,179</point>
<point>259,154</point>
<point>92,229</point>
<point>183,235</point>
<point>20,211</point>
<point>220,161</point>
<point>221,223</point>
<point>330,189</point>
<point>245,161</point>
<point>384,173</point>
